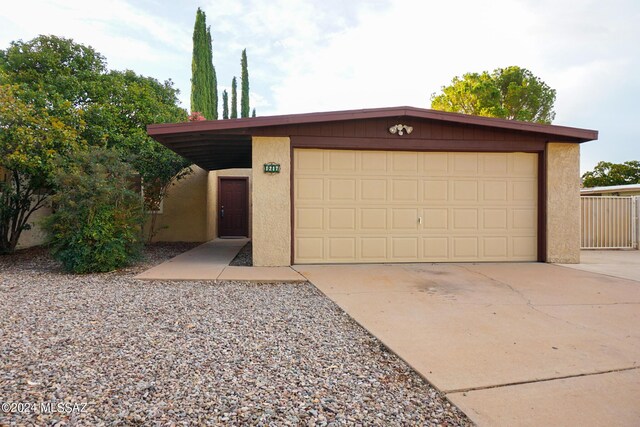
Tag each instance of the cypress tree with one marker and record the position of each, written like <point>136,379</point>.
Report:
<point>244,77</point>
<point>204,92</point>
<point>225,104</point>
<point>198,65</point>
<point>213,81</point>
<point>234,99</point>
<point>253,113</point>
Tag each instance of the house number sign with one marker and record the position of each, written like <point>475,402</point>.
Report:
<point>271,168</point>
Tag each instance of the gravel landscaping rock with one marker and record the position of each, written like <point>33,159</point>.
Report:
<point>184,353</point>
<point>244,257</point>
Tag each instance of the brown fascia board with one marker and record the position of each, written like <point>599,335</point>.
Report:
<point>219,126</point>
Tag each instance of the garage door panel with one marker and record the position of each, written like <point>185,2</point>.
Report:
<point>404,219</point>
<point>343,219</point>
<point>435,248</point>
<point>495,164</point>
<point>436,218</point>
<point>465,248</point>
<point>373,219</point>
<point>433,190</point>
<point>435,164</point>
<point>342,161</point>
<point>342,189</point>
<point>376,206</point>
<point>404,163</point>
<point>465,164</point>
<point>404,249</point>
<point>309,189</point>
<point>373,249</point>
<point>373,162</point>
<point>310,219</point>
<point>373,190</point>
<point>495,247</point>
<point>342,248</point>
<point>465,190</point>
<point>309,249</point>
<point>404,190</point>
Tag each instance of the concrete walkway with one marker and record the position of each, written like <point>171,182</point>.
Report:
<point>616,263</point>
<point>510,344</point>
<point>210,261</point>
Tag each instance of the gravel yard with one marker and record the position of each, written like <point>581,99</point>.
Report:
<point>185,353</point>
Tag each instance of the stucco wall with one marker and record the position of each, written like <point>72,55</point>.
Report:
<point>184,212</point>
<point>271,202</point>
<point>563,203</point>
<point>35,236</point>
<point>212,198</point>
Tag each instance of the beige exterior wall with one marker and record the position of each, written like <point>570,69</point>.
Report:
<point>212,198</point>
<point>36,236</point>
<point>563,203</point>
<point>271,196</point>
<point>184,210</point>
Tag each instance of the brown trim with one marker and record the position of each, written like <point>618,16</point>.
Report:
<point>291,195</point>
<point>542,205</point>
<point>405,144</point>
<point>244,125</point>
<point>246,183</point>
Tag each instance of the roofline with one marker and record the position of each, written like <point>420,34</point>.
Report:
<point>610,188</point>
<point>583,135</point>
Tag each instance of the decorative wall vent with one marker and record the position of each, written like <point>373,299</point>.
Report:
<point>400,129</point>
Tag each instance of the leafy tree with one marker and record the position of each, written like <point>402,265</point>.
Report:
<point>605,174</point>
<point>67,81</point>
<point>512,93</point>
<point>234,99</point>
<point>244,81</point>
<point>97,223</point>
<point>30,141</point>
<point>204,91</point>
<point>225,104</point>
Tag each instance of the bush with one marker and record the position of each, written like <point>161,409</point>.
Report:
<point>97,224</point>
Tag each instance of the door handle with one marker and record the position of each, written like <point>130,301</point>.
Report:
<point>222,212</point>
<point>419,220</point>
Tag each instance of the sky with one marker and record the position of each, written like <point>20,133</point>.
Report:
<point>327,55</point>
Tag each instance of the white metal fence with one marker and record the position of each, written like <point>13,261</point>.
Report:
<point>609,222</point>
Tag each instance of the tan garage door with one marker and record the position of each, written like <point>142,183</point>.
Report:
<point>384,206</point>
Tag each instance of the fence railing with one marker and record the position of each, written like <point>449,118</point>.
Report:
<point>609,222</point>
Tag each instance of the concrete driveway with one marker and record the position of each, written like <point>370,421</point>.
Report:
<point>510,344</point>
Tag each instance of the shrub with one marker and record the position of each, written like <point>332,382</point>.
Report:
<point>97,223</point>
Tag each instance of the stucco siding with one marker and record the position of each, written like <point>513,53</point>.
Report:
<point>271,195</point>
<point>184,211</point>
<point>36,235</point>
<point>563,203</point>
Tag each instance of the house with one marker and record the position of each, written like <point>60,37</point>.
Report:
<point>613,190</point>
<point>381,185</point>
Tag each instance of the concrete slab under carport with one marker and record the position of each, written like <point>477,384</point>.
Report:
<point>471,328</point>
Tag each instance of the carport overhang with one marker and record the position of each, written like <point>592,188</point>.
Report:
<point>224,144</point>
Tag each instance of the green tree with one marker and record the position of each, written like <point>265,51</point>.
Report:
<point>512,93</point>
<point>30,141</point>
<point>204,91</point>
<point>69,82</point>
<point>234,99</point>
<point>225,104</point>
<point>245,110</point>
<point>605,174</point>
<point>97,223</point>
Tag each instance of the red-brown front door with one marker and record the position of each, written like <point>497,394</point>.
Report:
<point>233,207</point>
